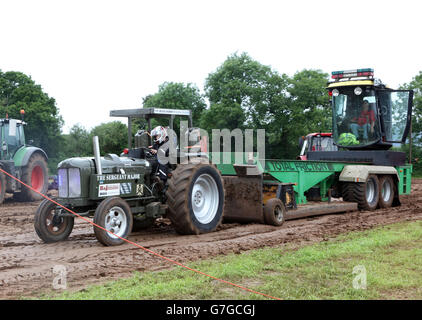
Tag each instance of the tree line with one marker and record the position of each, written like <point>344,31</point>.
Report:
<point>240,93</point>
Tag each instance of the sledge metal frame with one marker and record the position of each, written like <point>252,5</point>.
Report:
<point>308,174</point>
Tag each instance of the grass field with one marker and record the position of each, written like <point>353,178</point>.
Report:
<point>391,255</point>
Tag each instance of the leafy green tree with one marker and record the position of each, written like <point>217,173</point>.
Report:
<point>77,143</point>
<point>18,91</point>
<point>309,109</point>
<point>416,86</point>
<point>243,93</point>
<point>112,137</point>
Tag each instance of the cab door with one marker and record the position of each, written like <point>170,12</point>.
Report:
<point>395,107</point>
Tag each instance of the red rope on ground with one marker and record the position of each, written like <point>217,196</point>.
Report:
<point>138,245</point>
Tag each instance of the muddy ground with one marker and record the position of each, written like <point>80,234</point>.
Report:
<point>26,264</point>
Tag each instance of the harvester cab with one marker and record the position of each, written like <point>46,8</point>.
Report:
<point>368,119</point>
<point>368,115</point>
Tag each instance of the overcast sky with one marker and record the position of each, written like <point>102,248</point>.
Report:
<point>94,56</point>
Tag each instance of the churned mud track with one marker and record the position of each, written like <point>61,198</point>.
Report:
<point>26,264</point>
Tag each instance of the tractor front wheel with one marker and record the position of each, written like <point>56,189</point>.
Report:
<point>49,226</point>
<point>34,174</point>
<point>115,219</point>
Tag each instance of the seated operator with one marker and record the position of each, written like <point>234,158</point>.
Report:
<point>159,150</point>
<point>365,121</point>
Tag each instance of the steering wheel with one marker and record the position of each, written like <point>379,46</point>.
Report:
<point>148,152</point>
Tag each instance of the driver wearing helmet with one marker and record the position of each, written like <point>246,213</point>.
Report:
<point>160,137</point>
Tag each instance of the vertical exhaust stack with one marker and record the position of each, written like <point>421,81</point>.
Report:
<point>96,146</point>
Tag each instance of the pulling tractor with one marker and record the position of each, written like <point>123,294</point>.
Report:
<point>122,194</point>
<point>318,141</point>
<point>25,162</point>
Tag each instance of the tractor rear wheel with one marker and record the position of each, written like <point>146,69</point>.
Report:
<point>34,174</point>
<point>195,197</point>
<point>274,212</point>
<point>50,227</point>
<point>366,194</point>
<point>115,218</point>
<point>2,187</point>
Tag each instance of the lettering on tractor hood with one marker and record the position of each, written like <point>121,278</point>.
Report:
<point>111,177</point>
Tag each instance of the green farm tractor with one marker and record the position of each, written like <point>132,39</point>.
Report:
<point>123,193</point>
<point>25,162</point>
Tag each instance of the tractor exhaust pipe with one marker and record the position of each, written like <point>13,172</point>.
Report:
<point>96,146</point>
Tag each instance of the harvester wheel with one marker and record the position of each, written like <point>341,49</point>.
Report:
<point>114,215</point>
<point>366,194</point>
<point>387,189</point>
<point>48,226</point>
<point>2,187</point>
<point>195,197</point>
<point>34,174</point>
<point>141,224</point>
<point>274,212</point>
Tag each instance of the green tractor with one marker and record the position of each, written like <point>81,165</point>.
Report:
<point>25,162</point>
<point>122,193</point>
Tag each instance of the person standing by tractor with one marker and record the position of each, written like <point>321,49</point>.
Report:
<point>366,121</point>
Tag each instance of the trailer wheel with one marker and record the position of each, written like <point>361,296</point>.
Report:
<point>195,197</point>
<point>141,224</point>
<point>387,190</point>
<point>2,187</point>
<point>48,226</point>
<point>365,194</point>
<point>274,212</point>
<point>114,215</point>
<point>34,174</point>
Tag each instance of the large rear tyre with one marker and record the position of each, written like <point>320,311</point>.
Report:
<point>34,174</point>
<point>50,227</point>
<point>366,194</point>
<point>195,197</point>
<point>114,215</point>
<point>387,191</point>
<point>2,187</point>
<point>274,212</point>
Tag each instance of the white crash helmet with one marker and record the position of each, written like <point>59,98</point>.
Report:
<point>159,134</point>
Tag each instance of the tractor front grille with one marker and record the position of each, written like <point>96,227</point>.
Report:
<point>69,183</point>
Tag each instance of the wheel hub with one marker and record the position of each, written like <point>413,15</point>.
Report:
<point>198,197</point>
<point>386,191</point>
<point>278,213</point>
<point>205,198</point>
<point>116,222</point>
<point>54,222</point>
<point>370,191</point>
